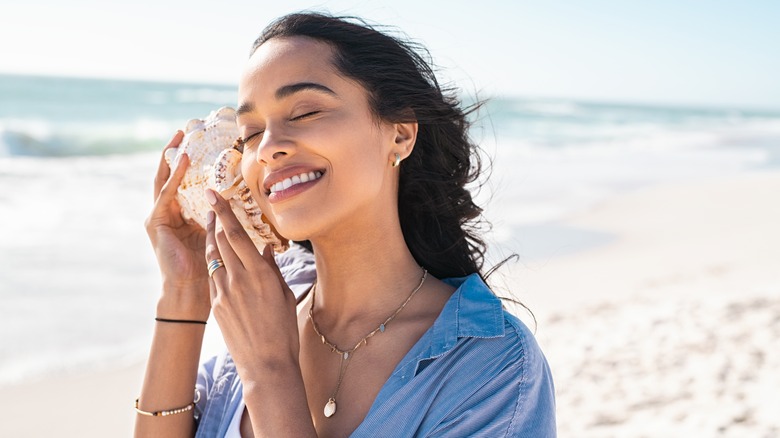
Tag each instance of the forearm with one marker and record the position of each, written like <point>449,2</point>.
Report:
<point>276,400</point>
<point>169,382</point>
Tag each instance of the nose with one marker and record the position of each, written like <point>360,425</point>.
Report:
<point>273,147</point>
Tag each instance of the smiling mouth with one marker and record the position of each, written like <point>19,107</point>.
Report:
<point>295,180</point>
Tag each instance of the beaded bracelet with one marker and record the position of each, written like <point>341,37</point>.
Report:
<point>164,413</point>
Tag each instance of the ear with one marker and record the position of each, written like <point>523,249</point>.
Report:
<point>405,138</point>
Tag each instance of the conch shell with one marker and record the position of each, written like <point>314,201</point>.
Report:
<point>216,164</point>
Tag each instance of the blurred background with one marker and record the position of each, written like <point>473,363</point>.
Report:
<point>636,176</point>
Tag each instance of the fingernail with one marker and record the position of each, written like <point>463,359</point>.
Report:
<point>210,197</point>
<point>210,217</point>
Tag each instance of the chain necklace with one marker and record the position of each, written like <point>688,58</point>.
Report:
<point>346,355</point>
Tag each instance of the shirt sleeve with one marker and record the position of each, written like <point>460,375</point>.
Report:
<point>203,384</point>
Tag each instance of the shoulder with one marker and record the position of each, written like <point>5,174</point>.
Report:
<point>535,408</point>
<point>499,364</point>
<point>477,371</point>
<point>508,354</point>
<point>528,355</point>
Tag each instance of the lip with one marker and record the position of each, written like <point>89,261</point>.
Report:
<point>288,172</point>
<point>292,191</point>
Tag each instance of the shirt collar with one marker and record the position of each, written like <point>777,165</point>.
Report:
<point>473,311</point>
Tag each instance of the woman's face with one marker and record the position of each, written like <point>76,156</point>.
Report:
<point>315,158</point>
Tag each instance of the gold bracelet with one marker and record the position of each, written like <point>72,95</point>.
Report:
<point>171,411</point>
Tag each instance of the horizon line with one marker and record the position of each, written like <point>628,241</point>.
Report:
<point>509,95</point>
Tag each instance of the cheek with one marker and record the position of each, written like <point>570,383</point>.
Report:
<point>247,166</point>
<point>251,171</point>
<point>360,175</point>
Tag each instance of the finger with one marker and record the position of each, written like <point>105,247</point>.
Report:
<point>163,170</point>
<point>232,261</point>
<point>268,255</point>
<point>212,253</point>
<point>233,231</point>
<point>168,191</point>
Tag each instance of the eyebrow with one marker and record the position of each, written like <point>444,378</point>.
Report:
<point>291,89</point>
<point>286,91</point>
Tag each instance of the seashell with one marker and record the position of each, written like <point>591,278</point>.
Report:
<point>330,408</point>
<point>216,164</point>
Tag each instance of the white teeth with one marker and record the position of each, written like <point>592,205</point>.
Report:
<point>294,180</point>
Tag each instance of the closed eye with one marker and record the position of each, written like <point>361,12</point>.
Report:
<point>303,116</point>
<point>244,141</point>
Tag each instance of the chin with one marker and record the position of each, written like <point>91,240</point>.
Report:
<point>292,230</point>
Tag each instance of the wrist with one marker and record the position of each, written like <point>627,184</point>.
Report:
<point>183,306</point>
<point>277,401</point>
<point>193,287</point>
<point>270,371</point>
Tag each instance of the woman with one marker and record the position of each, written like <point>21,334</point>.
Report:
<point>348,142</point>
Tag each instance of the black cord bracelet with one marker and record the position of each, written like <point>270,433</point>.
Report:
<point>181,321</point>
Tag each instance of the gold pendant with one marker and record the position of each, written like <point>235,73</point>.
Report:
<point>330,408</point>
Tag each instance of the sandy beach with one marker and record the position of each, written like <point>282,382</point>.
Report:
<point>672,328</point>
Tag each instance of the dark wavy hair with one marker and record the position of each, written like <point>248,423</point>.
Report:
<point>439,219</point>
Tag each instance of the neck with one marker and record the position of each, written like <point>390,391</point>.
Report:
<point>362,277</point>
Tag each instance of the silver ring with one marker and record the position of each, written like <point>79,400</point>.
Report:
<point>214,265</point>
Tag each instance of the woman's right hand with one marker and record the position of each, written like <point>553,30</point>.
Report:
<point>179,246</point>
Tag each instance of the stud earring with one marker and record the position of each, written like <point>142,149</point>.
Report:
<point>397,161</point>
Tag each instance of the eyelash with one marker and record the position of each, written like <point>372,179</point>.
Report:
<point>241,142</point>
<point>303,116</point>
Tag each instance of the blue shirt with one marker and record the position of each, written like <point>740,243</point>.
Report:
<point>477,371</point>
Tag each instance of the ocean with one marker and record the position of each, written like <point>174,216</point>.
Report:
<point>78,279</point>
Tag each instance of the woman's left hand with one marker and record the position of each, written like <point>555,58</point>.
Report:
<point>254,307</point>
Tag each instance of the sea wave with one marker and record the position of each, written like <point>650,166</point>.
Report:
<point>563,123</point>
<point>40,138</point>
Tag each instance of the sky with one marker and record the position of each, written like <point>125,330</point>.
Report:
<point>714,53</point>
